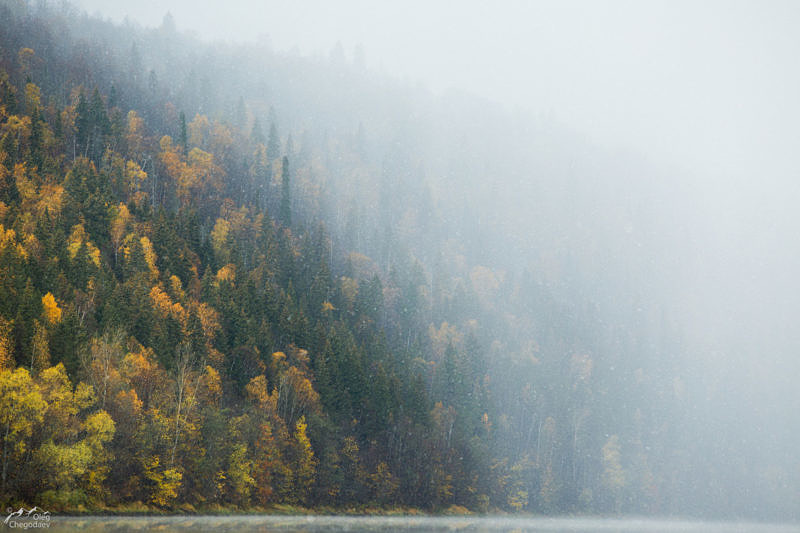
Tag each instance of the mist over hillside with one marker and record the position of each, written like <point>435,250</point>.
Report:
<point>293,278</point>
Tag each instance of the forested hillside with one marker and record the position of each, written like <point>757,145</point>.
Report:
<point>231,277</point>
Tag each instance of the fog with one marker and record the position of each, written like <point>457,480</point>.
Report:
<point>709,86</point>
<point>691,106</point>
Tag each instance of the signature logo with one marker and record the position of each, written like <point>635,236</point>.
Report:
<point>22,518</point>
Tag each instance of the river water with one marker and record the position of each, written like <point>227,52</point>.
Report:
<point>331,524</point>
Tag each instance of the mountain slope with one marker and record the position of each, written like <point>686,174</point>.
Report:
<point>235,277</point>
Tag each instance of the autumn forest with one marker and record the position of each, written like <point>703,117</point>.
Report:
<point>228,284</point>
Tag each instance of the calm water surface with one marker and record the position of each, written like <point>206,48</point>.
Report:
<point>331,524</point>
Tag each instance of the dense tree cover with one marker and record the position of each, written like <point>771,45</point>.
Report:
<point>194,313</point>
<point>167,341</point>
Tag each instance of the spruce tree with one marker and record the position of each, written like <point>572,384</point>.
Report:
<point>183,137</point>
<point>82,125</point>
<point>286,194</point>
<point>35,155</point>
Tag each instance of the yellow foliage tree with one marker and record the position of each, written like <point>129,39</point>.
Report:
<point>221,140</point>
<point>176,287</point>
<point>64,463</point>
<point>33,97</point>
<point>125,409</point>
<point>100,429</point>
<point>258,393</point>
<point>296,396</point>
<point>63,403</point>
<point>119,227</point>
<point>25,186</point>
<point>134,176</point>
<point>78,238</point>
<point>219,240</point>
<point>226,274</point>
<point>166,307</point>
<point>135,133</point>
<point>17,128</point>
<point>8,243</point>
<point>21,409</point>
<point>305,464</point>
<point>164,482</point>
<point>140,369</point>
<point>209,321</point>
<point>197,175</point>
<point>199,129</point>
<point>205,173</point>
<point>50,200</point>
<point>52,313</point>
<point>239,474</point>
<point>149,256</point>
<point>210,386</point>
<point>72,464</point>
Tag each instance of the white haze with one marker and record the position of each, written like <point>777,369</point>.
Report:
<point>711,86</point>
<point>707,92</point>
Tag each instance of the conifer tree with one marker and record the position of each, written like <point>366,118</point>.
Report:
<point>183,139</point>
<point>36,157</point>
<point>286,194</point>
